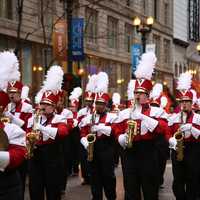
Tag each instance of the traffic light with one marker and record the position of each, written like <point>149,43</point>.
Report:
<point>70,81</point>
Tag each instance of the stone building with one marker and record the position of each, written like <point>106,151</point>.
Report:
<point>109,34</point>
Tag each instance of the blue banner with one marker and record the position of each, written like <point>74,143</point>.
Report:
<point>136,51</point>
<point>77,48</point>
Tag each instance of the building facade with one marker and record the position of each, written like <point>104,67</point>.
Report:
<point>108,37</point>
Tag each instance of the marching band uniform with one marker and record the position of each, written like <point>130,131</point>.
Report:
<point>160,101</point>
<point>47,159</point>
<point>88,101</point>
<point>11,159</point>
<point>102,165</point>
<point>141,161</point>
<point>12,139</point>
<point>186,172</point>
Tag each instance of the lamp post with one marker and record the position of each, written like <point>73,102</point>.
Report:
<point>198,48</point>
<point>143,27</point>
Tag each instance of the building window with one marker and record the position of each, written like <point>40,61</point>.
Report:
<point>156,4</point>
<point>112,32</point>
<point>156,41</point>
<point>166,48</point>
<point>128,38</point>
<point>194,20</point>
<point>166,13</point>
<point>6,9</point>
<point>91,25</point>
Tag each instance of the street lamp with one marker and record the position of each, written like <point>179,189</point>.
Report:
<point>143,27</point>
<point>198,48</point>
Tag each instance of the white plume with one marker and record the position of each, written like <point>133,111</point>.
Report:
<point>38,97</point>
<point>194,96</point>
<point>102,82</point>
<point>54,79</point>
<point>91,85</point>
<point>146,66</point>
<point>156,91</point>
<point>116,98</point>
<point>9,68</point>
<point>163,102</point>
<point>24,92</point>
<point>131,89</point>
<point>184,81</point>
<point>76,93</point>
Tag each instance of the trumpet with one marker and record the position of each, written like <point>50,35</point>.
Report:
<point>91,138</point>
<point>34,136</point>
<point>132,128</point>
<point>180,145</point>
<point>5,120</point>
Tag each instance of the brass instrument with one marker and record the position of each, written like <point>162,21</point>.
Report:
<point>180,142</point>
<point>91,138</point>
<point>132,129</point>
<point>180,145</point>
<point>4,142</point>
<point>33,136</point>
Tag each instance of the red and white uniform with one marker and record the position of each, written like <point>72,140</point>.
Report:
<point>102,125</point>
<point>15,154</point>
<point>188,123</point>
<point>20,113</point>
<point>69,118</point>
<point>149,123</point>
<point>51,129</point>
<point>83,113</point>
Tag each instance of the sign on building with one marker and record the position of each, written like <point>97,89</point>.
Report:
<point>77,48</point>
<point>151,47</point>
<point>60,40</point>
<point>136,51</point>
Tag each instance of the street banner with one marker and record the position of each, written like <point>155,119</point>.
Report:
<point>77,48</point>
<point>136,51</point>
<point>60,40</point>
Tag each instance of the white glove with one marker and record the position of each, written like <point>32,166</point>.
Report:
<point>123,140</point>
<point>84,142</point>
<point>4,160</point>
<point>195,132</point>
<point>14,119</point>
<point>172,143</point>
<point>137,115</point>
<point>75,123</point>
<point>101,129</point>
<point>48,132</point>
<point>149,122</point>
<point>185,127</point>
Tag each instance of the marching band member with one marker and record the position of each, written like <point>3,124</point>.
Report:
<point>46,162</point>
<point>88,103</point>
<point>97,125</point>
<point>18,110</point>
<point>136,129</point>
<point>185,143</point>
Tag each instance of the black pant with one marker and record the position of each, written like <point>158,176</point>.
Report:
<point>10,186</point>
<point>186,173</point>
<point>141,171</point>
<point>85,171</point>
<point>102,171</point>
<point>45,172</point>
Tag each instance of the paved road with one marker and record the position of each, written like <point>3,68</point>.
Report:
<point>77,192</point>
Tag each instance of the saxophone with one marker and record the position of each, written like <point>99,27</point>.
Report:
<point>33,136</point>
<point>91,138</point>
<point>132,128</point>
<point>180,142</point>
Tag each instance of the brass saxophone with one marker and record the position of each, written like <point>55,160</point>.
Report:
<point>180,142</point>
<point>91,138</point>
<point>33,136</point>
<point>132,129</point>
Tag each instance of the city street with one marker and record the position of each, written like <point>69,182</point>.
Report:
<point>76,191</point>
